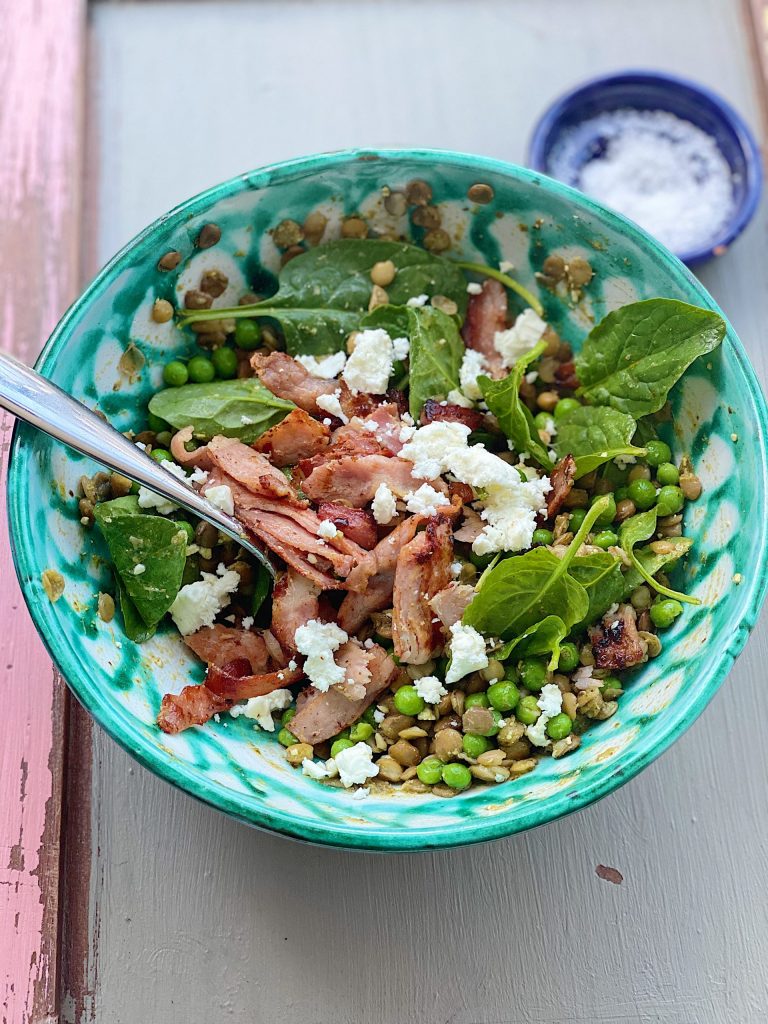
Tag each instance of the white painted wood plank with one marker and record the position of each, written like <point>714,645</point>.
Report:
<point>202,919</point>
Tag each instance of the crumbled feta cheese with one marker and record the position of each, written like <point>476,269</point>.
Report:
<point>326,422</point>
<point>550,703</point>
<point>401,347</point>
<point>408,420</point>
<point>318,640</point>
<point>472,365</point>
<point>369,367</point>
<point>384,506</point>
<point>516,341</point>
<point>199,476</point>
<point>327,530</point>
<point>550,426</point>
<point>197,604</point>
<point>139,568</point>
<point>582,677</point>
<point>425,501</point>
<point>247,622</point>
<point>622,461</point>
<point>292,665</point>
<point>148,498</point>
<point>217,718</point>
<point>221,497</point>
<point>261,708</point>
<point>379,716</point>
<point>429,447</point>
<point>355,765</point>
<point>532,377</point>
<point>474,288</point>
<point>417,300</point>
<point>467,652</point>
<point>361,794</point>
<point>506,267</point>
<point>455,397</point>
<point>456,568</point>
<point>326,367</point>
<point>314,769</point>
<point>406,433</point>
<point>430,689</point>
<point>331,404</point>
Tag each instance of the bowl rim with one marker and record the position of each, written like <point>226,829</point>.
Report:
<point>340,834</point>
<point>570,99</point>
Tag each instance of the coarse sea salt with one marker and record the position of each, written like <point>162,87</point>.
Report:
<point>660,170</point>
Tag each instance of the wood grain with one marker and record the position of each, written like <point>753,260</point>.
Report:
<point>41,71</point>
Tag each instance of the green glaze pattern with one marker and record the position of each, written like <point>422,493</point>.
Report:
<point>719,416</point>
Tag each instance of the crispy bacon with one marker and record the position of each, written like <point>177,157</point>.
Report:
<point>386,426</point>
<point>355,480</point>
<point>195,705</point>
<point>294,603</point>
<point>287,379</point>
<point>434,411</point>
<point>253,470</point>
<point>566,377</point>
<point>355,523</point>
<point>235,681</point>
<point>356,607</point>
<point>297,437</point>
<point>464,492</point>
<point>347,441</point>
<point>561,479</point>
<point>199,459</point>
<point>487,314</point>
<point>471,527</point>
<point>450,603</point>
<point>321,715</point>
<point>353,658</point>
<point>616,643</point>
<point>423,570</point>
<point>219,644</point>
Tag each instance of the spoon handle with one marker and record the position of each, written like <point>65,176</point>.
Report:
<point>34,399</point>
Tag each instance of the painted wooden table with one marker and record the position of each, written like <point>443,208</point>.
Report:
<point>123,901</point>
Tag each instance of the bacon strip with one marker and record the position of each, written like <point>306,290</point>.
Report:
<point>436,411</point>
<point>235,681</point>
<point>294,603</point>
<point>355,480</point>
<point>287,379</point>
<point>218,645</point>
<point>199,459</point>
<point>423,570</point>
<point>253,470</point>
<point>296,437</point>
<point>561,479</point>
<point>357,524</point>
<point>450,603</point>
<point>195,705</point>
<point>486,314</point>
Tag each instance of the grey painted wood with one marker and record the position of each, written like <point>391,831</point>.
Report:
<point>200,919</point>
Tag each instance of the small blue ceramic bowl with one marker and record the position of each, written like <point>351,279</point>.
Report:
<point>646,90</point>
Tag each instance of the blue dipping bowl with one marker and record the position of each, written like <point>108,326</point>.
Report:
<point>647,90</point>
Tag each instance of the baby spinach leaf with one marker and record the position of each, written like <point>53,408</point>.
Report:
<point>134,626</point>
<point>639,528</point>
<point>128,505</point>
<point>514,416</point>
<point>602,578</point>
<point>435,357</point>
<point>323,293</point>
<point>392,319</point>
<point>235,408</point>
<point>544,637</point>
<point>636,354</point>
<point>594,436</point>
<point>152,544</point>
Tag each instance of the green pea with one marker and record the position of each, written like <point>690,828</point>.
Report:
<point>155,423</point>
<point>287,715</point>
<point>247,334</point>
<point>457,776</point>
<point>669,501</point>
<point>360,732</point>
<point>408,701</point>
<point>643,493</point>
<point>224,363</point>
<point>564,406</point>
<point>611,687</point>
<point>476,700</point>
<point>286,738</point>
<point>175,374</point>
<point>338,745</point>
<point>667,474</point>
<point>607,517</point>
<point>569,657</point>
<point>577,518</point>
<point>343,735</point>
<point>188,528</point>
<point>542,537</point>
<point>474,745</point>
<point>430,770</point>
<point>200,370</point>
<point>605,539</point>
<point>368,715</point>
<point>480,561</point>
<point>542,420</point>
<point>533,672</point>
<point>657,452</point>
<point>559,727</point>
<point>621,493</point>
<point>504,695</point>
<point>664,613</point>
<point>161,455</point>
<point>528,710</point>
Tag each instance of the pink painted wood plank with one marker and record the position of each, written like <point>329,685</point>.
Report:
<point>41,74</point>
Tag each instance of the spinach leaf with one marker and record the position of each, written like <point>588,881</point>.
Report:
<point>544,637</point>
<point>435,357</point>
<point>594,436</point>
<point>639,528</point>
<point>235,408</point>
<point>129,505</point>
<point>157,544</point>
<point>514,416</point>
<point>134,626</point>
<point>636,354</point>
<point>645,431</point>
<point>521,591</point>
<point>392,319</point>
<point>323,293</point>
<point>602,578</point>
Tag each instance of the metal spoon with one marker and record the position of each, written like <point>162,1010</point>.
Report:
<point>37,401</point>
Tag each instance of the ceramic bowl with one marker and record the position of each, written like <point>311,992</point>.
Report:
<point>719,416</point>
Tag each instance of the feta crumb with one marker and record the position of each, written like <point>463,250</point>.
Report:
<point>408,420</point>
<point>405,434</point>
<point>292,665</point>
<point>148,498</point>
<point>474,288</point>
<point>532,377</point>
<point>221,497</point>
<point>384,506</point>
<point>361,794</point>
<point>467,652</point>
<point>456,568</point>
<point>331,404</point>
<point>261,708</point>
<point>622,461</point>
<point>425,501</point>
<point>401,348</point>
<point>314,769</point>
<point>429,447</point>
<point>139,568</point>
<point>516,341</point>
<point>455,397</point>
<point>369,367</point>
<point>472,365</point>
<point>326,422</point>
<point>368,644</point>
<point>217,718</point>
<point>199,476</point>
<point>318,640</point>
<point>379,716</point>
<point>326,367</point>
<point>550,703</point>
<point>197,604</point>
<point>355,765</point>
<point>247,622</point>
<point>430,689</point>
<point>417,300</point>
<point>327,530</point>
<point>505,266</point>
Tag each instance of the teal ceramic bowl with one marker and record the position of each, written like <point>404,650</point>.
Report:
<point>719,416</point>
